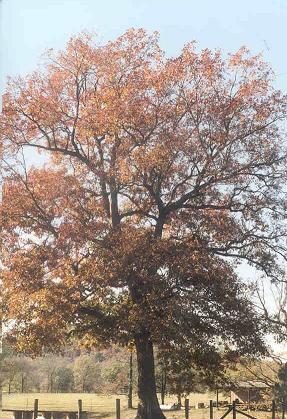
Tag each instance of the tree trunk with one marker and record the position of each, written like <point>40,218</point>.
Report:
<point>163,386</point>
<point>148,406</point>
<point>130,393</point>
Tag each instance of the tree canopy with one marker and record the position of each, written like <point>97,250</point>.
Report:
<point>163,174</point>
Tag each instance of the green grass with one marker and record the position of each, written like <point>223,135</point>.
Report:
<point>103,406</point>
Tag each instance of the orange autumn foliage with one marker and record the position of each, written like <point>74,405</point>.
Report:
<point>162,174</point>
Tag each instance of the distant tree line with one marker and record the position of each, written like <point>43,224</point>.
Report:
<point>108,371</point>
<point>95,372</point>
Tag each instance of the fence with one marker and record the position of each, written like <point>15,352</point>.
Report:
<point>48,414</point>
<point>233,409</point>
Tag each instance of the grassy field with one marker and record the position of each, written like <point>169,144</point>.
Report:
<point>103,407</point>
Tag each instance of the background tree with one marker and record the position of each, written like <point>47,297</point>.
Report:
<point>264,370</point>
<point>185,372</point>
<point>64,380</point>
<point>27,379</point>
<point>49,364</point>
<point>281,387</point>
<point>87,374</point>
<point>131,377</point>
<point>160,170</point>
<point>115,378</point>
<point>10,371</point>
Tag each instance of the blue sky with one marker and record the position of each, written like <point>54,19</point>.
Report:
<point>28,27</point>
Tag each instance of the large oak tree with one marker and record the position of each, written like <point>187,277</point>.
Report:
<point>163,173</point>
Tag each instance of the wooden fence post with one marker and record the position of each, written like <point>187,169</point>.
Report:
<point>217,398</point>
<point>186,408</point>
<point>36,407</point>
<point>80,409</point>
<point>234,409</point>
<point>118,408</point>
<point>210,409</point>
